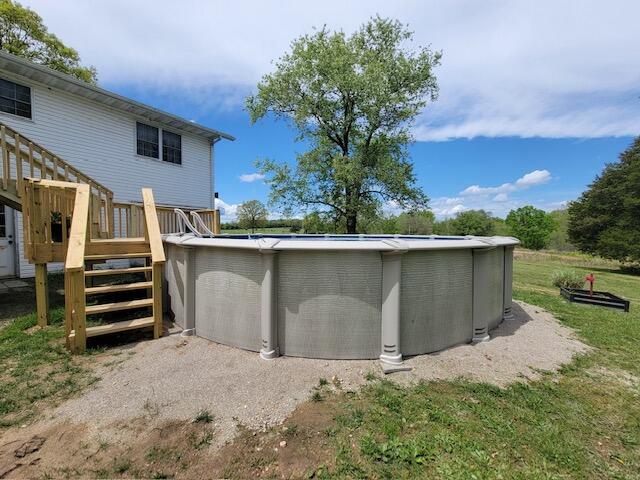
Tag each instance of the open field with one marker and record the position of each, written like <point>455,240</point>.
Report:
<point>582,422</point>
<point>240,231</point>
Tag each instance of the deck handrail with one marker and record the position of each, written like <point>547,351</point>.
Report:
<point>78,235</point>
<point>153,227</point>
<point>31,160</point>
<point>7,133</point>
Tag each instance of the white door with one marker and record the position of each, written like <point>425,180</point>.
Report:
<point>7,248</point>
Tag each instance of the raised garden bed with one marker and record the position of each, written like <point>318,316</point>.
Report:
<point>603,299</point>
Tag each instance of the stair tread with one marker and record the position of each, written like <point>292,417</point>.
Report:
<point>116,306</point>
<point>116,271</point>
<point>109,256</point>
<point>117,327</point>
<point>123,287</point>
<point>120,240</point>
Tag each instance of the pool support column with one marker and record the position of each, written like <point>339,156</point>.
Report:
<point>268,318</point>
<point>390,335</point>
<point>189,280</point>
<point>508,284</point>
<point>481,294</point>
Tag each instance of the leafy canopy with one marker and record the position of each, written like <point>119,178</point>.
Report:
<point>419,222</point>
<point>605,220</point>
<point>251,215</point>
<point>22,33</point>
<point>352,100</point>
<point>473,222</point>
<point>532,226</point>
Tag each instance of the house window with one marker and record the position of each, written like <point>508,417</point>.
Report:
<point>171,147</point>
<point>15,99</point>
<point>147,137</point>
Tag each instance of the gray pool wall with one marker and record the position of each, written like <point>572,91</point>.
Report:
<point>385,299</point>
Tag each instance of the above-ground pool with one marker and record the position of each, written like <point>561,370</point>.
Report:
<point>339,296</point>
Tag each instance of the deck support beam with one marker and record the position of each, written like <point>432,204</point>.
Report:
<point>42,294</point>
<point>268,317</point>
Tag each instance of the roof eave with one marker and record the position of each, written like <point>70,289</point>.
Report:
<point>70,84</point>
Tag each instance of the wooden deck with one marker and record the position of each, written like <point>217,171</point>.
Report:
<point>69,217</point>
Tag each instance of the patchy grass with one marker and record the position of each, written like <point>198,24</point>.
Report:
<point>36,369</point>
<point>203,416</point>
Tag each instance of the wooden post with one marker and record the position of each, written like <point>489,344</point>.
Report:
<point>80,315</point>
<point>18,152</point>
<point>5,159</point>
<point>42,294</point>
<point>109,214</point>
<point>157,300</point>
<point>216,222</point>
<point>68,308</point>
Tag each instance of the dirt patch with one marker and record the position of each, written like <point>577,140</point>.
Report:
<point>300,448</point>
<point>66,450</point>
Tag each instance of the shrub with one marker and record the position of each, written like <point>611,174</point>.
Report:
<point>567,279</point>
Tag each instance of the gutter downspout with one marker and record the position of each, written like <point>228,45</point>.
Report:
<point>212,202</point>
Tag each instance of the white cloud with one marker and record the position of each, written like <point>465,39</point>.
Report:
<point>496,200</point>
<point>228,212</point>
<point>447,206</point>
<point>501,197</point>
<point>536,177</point>
<point>545,68</point>
<point>251,177</point>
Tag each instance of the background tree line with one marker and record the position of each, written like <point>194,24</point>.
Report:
<point>535,228</point>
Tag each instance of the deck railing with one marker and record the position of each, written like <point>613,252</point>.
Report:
<point>22,158</point>
<point>128,219</point>
<point>47,210</point>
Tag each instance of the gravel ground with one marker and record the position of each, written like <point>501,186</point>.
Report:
<point>173,378</point>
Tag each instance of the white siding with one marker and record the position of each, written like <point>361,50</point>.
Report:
<point>101,142</point>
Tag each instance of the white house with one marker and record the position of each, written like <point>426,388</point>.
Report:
<point>121,143</point>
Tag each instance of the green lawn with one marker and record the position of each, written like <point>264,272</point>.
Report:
<point>36,369</point>
<point>581,423</point>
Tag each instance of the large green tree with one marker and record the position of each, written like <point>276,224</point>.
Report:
<point>532,226</point>
<point>23,33</point>
<point>252,214</point>
<point>605,220</point>
<point>352,100</point>
<point>473,222</point>
<point>418,222</point>
<point>559,239</point>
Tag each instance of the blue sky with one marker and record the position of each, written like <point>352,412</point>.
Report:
<point>535,97</point>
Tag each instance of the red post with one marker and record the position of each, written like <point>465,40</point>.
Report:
<point>591,279</point>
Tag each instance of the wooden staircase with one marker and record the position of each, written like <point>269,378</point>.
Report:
<point>70,217</point>
<point>83,255</point>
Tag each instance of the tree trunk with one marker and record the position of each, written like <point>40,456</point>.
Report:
<point>352,222</point>
<point>351,213</point>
